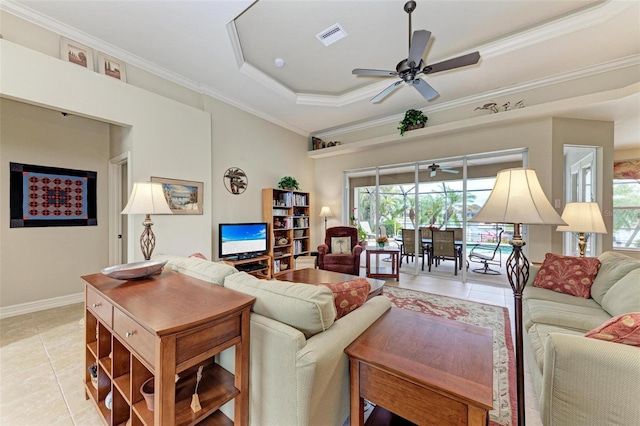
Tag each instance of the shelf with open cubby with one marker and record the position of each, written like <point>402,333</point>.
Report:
<point>287,215</point>
<point>125,350</point>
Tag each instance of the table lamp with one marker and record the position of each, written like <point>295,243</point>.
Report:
<point>147,198</point>
<point>582,218</point>
<point>325,212</point>
<point>518,198</point>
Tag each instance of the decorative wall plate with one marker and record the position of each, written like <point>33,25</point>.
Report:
<point>235,180</point>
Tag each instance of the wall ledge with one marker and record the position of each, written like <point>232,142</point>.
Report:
<point>560,108</point>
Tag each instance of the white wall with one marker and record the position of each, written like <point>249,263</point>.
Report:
<point>167,139</point>
<point>264,151</point>
<point>537,136</point>
<point>42,263</point>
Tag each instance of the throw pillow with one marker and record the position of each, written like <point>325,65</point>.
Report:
<point>349,295</point>
<point>567,274</point>
<point>624,328</point>
<point>340,245</point>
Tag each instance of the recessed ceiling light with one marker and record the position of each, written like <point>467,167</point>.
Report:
<point>279,62</point>
<point>331,34</point>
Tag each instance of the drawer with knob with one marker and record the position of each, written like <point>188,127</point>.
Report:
<point>99,306</point>
<point>134,335</point>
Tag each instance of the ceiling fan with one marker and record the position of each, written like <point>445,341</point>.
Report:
<point>435,167</point>
<point>408,69</point>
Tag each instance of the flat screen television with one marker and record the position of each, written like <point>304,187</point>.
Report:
<point>242,240</point>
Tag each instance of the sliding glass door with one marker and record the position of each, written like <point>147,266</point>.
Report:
<point>438,194</point>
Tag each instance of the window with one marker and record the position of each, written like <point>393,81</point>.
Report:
<point>626,205</point>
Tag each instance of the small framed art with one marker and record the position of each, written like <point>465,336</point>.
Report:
<point>112,67</point>
<point>76,53</point>
<point>183,196</point>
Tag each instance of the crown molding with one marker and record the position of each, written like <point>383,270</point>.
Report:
<point>575,22</point>
<point>629,61</point>
<point>578,21</point>
<point>562,26</point>
<point>64,30</point>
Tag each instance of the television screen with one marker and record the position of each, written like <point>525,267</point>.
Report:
<point>242,238</point>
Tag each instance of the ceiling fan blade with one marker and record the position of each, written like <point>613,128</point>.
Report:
<point>377,73</point>
<point>449,170</point>
<point>380,96</point>
<point>460,61</point>
<point>425,89</point>
<point>418,45</point>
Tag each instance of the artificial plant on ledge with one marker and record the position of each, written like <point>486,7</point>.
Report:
<point>413,119</point>
<point>288,182</point>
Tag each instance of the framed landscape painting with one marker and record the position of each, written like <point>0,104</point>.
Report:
<point>76,53</point>
<point>112,67</point>
<point>183,196</point>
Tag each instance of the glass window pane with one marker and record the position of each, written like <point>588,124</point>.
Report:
<point>626,213</point>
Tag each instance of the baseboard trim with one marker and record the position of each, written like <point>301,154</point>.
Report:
<point>40,305</point>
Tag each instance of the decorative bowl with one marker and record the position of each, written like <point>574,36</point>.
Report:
<point>136,270</point>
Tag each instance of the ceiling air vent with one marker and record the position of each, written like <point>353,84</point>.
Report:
<point>331,34</point>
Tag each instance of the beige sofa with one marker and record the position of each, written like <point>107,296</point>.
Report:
<point>299,373</point>
<point>583,381</point>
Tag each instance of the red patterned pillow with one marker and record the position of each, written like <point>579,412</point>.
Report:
<point>349,295</point>
<point>567,274</point>
<point>624,328</point>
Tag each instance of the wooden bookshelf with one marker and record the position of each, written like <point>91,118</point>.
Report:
<point>288,220</point>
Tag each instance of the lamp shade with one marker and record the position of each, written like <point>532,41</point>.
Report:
<point>582,217</point>
<point>325,212</point>
<point>517,197</point>
<point>147,198</point>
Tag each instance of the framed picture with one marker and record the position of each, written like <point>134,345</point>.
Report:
<point>76,53</point>
<point>183,196</point>
<point>51,196</point>
<point>112,67</point>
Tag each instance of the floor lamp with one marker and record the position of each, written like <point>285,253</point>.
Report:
<point>518,198</point>
<point>582,218</point>
<point>147,198</point>
<point>325,212</point>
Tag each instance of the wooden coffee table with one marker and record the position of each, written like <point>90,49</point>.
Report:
<point>317,276</point>
<point>425,369</point>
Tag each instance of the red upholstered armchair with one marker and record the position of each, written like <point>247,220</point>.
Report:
<point>340,251</point>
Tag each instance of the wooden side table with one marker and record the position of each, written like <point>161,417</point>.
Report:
<point>378,271</point>
<point>425,369</point>
<point>160,327</point>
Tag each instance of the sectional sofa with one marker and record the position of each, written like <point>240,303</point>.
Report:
<point>299,373</point>
<point>581,380</point>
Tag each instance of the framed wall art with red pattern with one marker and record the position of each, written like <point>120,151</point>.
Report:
<point>50,196</point>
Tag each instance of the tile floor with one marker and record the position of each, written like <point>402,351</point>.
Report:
<point>42,367</point>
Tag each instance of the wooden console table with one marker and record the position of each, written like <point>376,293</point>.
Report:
<point>425,369</point>
<point>163,326</point>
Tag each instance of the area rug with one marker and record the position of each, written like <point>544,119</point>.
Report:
<point>480,314</point>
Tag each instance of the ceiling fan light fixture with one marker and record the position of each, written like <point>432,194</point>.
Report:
<point>331,34</point>
<point>410,68</point>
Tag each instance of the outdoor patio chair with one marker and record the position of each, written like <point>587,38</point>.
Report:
<point>408,247</point>
<point>487,254</point>
<point>443,247</point>
<point>367,228</point>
